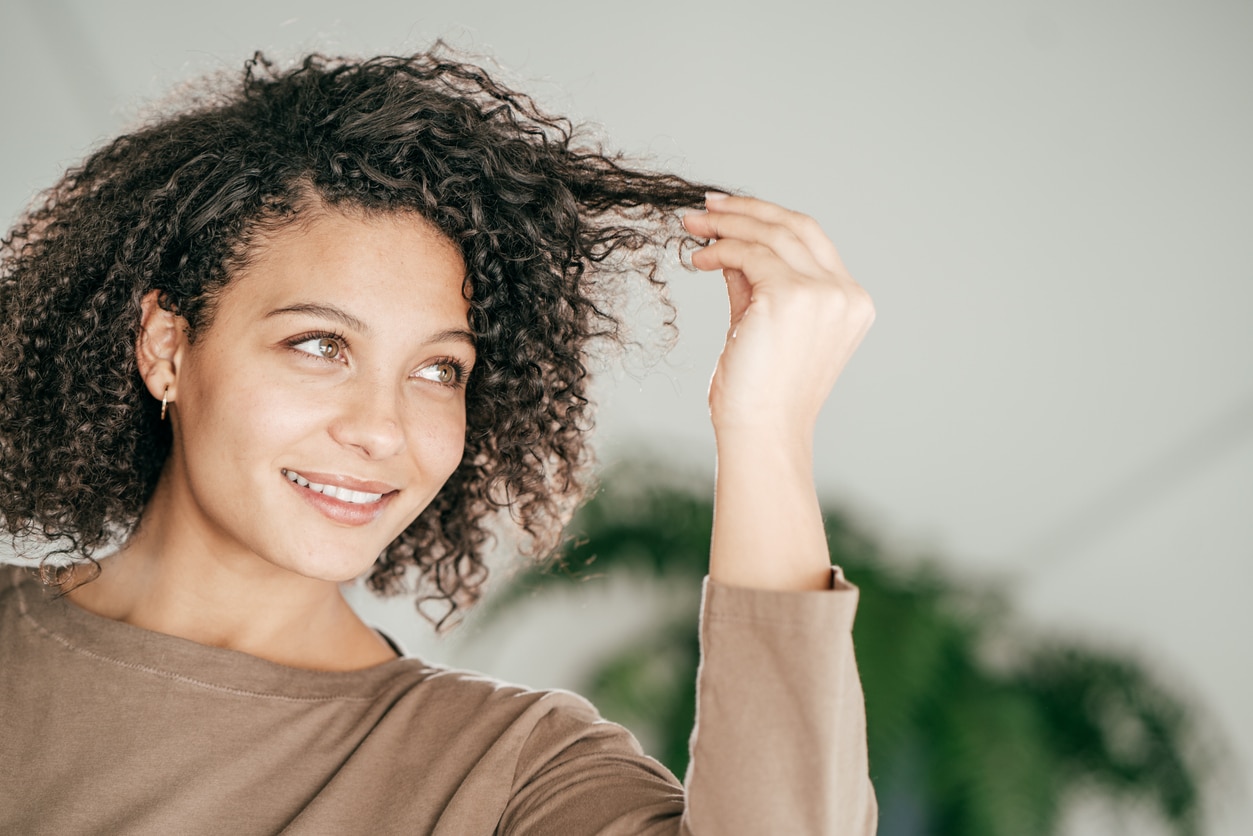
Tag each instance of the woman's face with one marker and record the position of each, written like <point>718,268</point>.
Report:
<point>324,407</point>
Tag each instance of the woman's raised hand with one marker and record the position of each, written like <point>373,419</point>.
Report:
<point>797,316</point>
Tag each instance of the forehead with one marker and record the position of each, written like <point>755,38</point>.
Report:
<point>389,264</point>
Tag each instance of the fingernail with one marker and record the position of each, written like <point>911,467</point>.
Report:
<point>715,196</point>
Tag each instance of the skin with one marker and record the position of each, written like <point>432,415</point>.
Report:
<point>797,316</point>
<point>230,553</point>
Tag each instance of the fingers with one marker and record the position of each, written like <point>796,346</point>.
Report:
<point>779,239</point>
<point>803,227</point>
<point>752,266</point>
<point>757,261</point>
<point>760,245</point>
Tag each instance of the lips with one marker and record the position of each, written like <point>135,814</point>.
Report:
<point>340,492</point>
<point>342,499</point>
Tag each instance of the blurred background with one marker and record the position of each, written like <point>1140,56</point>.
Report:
<point>1051,203</point>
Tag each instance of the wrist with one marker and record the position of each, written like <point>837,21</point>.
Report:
<point>767,523</point>
<point>765,444</point>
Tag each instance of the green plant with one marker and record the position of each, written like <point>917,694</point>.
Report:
<point>975,726</point>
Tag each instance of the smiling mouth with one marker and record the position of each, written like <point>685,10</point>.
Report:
<point>333,491</point>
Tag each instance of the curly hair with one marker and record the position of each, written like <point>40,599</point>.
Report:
<point>546,222</point>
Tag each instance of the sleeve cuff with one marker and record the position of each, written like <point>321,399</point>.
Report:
<point>833,608</point>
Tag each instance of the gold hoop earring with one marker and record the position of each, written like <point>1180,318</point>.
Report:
<point>164,400</point>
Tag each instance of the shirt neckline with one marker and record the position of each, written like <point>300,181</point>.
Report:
<point>118,644</point>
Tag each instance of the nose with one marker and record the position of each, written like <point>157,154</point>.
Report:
<point>368,420</point>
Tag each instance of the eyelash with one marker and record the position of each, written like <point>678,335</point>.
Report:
<point>292,342</point>
<point>460,371</point>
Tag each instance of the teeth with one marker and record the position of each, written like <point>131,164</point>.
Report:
<point>343,494</point>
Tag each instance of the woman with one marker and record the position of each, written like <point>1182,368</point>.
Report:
<point>331,321</point>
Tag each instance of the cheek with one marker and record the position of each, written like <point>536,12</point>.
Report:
<point>244,418</point>
<point>439,440</point>
<point>275,413</point>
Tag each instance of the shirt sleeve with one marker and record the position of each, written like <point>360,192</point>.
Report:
<point>779,744</point>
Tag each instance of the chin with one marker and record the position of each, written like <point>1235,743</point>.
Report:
<point>332,568</point>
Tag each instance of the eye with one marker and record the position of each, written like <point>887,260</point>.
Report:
<point>444,372</point>
<point>326,346</point>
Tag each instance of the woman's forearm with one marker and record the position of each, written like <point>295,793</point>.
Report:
<point>767,531</point>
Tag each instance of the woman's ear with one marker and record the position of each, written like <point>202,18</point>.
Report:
<point>159,347</point>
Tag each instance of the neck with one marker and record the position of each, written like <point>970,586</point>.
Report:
<point>162,582</point>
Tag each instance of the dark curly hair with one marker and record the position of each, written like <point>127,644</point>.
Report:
<point>546,222</point>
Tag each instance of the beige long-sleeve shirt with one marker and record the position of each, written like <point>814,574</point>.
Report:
<point>109,728</point>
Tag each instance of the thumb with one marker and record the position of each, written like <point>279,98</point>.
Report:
<point>739,291</point>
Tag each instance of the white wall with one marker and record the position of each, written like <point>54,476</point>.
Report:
<point>1052,204</point>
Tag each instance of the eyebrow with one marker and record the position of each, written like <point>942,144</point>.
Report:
<point>325,312</point>
<point>342,316</point>
<point>453,335</point>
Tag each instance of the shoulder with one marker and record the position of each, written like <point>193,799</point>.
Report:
<point>539,725</point>
<point>512,731</point>
<point>13,577</point>
<point>462,699</point>
<point>12,574</point>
